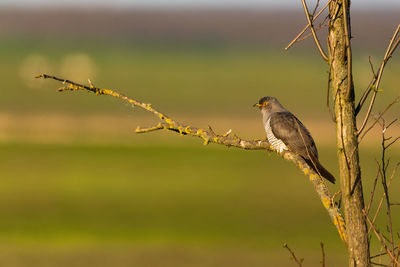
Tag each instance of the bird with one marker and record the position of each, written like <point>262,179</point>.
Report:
<point>285,132</point>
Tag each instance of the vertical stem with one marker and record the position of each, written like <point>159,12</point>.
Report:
<point>385,187</point>
<point>346,133</point>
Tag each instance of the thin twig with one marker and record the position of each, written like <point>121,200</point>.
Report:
<point>374,79</point>
<point>306,27</point>
<point>323,254</point>
<point>394,141</point>
<point>379,264</point>
<point>367,209</point>
<point>372,66</point>
<point>384,183</point>
<point>315,8</point>
<point>396,100</point>
<point>320,26</point>
<point>150,129</point>
<point>389,52</point>
<point>321,51</point>
<point>383,196</point>
<point>294,258</point>
<point>378,255</point>
<point>383,243</point>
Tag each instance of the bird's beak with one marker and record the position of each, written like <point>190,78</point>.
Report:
<point>257,105</point>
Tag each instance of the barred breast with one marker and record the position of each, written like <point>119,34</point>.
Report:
<point>276,143</point>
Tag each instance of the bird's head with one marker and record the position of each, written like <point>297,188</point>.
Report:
<point>267,103</point>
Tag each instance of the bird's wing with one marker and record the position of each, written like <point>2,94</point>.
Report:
<point>286,127</point>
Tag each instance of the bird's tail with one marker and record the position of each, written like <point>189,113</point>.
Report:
<point>317,167</point>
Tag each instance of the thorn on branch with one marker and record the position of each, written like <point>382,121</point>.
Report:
<point>227,133</point>
<point>90,84</point>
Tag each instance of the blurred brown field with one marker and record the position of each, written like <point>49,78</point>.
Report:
<point>113,129</point>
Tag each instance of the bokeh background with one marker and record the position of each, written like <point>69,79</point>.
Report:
<point>79,188</point>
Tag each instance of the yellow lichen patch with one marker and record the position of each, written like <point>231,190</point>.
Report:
<point>215,139</point>
<point>339,222</point>
<point>199,131</point>
<point>306,171</point>
<point>326,202</point>
<point>313,177</point>
<point>188,130</point>
<point>168,120</point>
<point>180,130</point>
<point>73,87</point>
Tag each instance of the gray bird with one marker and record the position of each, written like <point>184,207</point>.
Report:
<point>286,132</point>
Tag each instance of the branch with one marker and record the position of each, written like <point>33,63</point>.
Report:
<point>348,47</point>
<point>368,207</point>
<point>382,197</point>
<point>306,27</point>
<point>226,139</point>
<point>321,51</point>
<point>381,240</point>
<point>396,100</point>
<point>331,52</point>
<point>374,85</point>
<point>384,181</point>
<point>294,258</point>
<point>323,255</point>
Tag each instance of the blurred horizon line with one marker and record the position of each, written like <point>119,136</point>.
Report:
<point>195,26</point>
<point>371,5</point>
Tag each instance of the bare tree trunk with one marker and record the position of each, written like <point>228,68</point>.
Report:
<point>346,131</point>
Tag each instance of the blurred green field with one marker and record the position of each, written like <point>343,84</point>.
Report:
<point>181,204</point>
<point>160,199</point>
<point>222,80</point>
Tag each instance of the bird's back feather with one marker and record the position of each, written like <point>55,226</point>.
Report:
<point>286,127</point>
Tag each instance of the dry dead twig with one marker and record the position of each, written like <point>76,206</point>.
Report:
<point>381,239</point>
<point>296,39</point>
<point>374,85</point>
<point>396,100</point>
<point>294,258</point>
<point>323,264</point>
<point>316,40</point>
